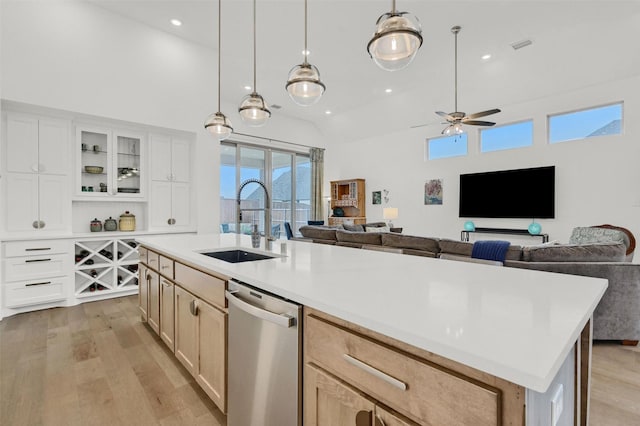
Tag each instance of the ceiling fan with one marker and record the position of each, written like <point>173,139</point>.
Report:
<point>456,119</point>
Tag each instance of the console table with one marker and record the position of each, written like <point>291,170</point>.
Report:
<point>464,235</point>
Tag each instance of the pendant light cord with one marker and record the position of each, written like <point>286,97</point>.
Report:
<point>219,47</point>
<point>393,7</point>
<point>255,90</point>
<point>306,51</point>
<point>456,71</point>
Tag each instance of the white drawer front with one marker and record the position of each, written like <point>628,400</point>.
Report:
<point>36,267</point>
<point>35,292</point>
<point>34,248</point>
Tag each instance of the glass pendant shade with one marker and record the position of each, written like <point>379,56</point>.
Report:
<point>304,85</point>
<point>219,125</point>
<point>253,110</point>
<point>396,41</point>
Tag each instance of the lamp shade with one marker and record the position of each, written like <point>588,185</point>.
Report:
<point>390,213</point>
<point>219,125</point>
<point>304,85</point>
<point>253,110</point>
<point>396,41</point>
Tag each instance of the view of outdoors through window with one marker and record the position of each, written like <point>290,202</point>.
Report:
<point>447,146</point>
<point>516,135</point>
<point>287,177</point>
<point>605,120</point>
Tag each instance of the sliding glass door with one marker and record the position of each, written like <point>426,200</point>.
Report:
<point>286,176</point>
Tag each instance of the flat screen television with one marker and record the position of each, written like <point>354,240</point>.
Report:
<point>521,193</point>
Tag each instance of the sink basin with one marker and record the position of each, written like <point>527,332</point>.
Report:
<point>237,256</point>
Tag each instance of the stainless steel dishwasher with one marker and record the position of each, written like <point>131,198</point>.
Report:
<point>265,366</point>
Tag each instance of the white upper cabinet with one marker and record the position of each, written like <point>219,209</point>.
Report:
<point>180,160</point>
<point>37,145</point>
<point>109,163</point>
<point>170,159</point>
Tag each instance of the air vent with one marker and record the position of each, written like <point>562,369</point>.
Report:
<point>276,106</point>
<point>520,44</point>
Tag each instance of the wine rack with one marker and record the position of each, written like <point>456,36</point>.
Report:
<point>105,266</point>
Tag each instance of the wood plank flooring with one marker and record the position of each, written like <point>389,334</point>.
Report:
<point>97,364</point>
<point>94,364</point>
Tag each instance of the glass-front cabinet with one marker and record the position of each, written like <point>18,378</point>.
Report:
<point>109,163</point>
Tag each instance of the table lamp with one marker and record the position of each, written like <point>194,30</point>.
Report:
<point>390,213</point>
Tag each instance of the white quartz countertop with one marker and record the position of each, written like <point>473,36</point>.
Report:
<point>513,323</point>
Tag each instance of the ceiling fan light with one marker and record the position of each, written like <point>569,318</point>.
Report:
<point>253,110</point>
<point>219,125</point>
<point>396,41</point>
<point>304,85</point>
<point>453,129</point>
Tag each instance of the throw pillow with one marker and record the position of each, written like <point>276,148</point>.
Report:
<point>376,228</point>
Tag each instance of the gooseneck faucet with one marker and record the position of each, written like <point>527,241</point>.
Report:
<point>267,211</point>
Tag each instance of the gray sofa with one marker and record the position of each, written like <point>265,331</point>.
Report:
<point>617,316</point>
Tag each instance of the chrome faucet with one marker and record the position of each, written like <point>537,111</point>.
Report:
<point>267,211</point>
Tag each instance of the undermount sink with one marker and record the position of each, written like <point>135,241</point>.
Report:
<point>237,256</point>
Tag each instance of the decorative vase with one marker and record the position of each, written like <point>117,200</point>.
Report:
<point>127,222</point>
<point>534,228</point>
<point>110,224</point>
<point>255,237</point>
<point>469,226</point>
<point>96,225</point>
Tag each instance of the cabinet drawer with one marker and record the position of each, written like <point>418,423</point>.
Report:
<point>29,248</point>
<point>166,267</point>
<point>205,286</point>
<point>416,388</point>
<point>153,260</point>
<point>143,252</point>
<point>27,293</point>
<point>36,267</point>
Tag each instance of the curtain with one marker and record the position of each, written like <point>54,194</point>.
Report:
<point>316,156</point>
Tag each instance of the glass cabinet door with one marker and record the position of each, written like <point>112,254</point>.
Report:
<point>95,161</point>
<point>127,164</point>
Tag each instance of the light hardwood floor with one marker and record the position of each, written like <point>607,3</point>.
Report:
<point>97,364</point>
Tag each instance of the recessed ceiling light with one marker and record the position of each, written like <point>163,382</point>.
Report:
<point>327,112</point>
<point>388,90</point>
<point>247,87</point>
<point>486,57</point>
<point>176,22</point>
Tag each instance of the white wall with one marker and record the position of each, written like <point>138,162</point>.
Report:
<point>73,56</point>
<point>597,180</point>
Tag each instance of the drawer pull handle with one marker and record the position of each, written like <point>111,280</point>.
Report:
<point>38,249</point>
<point>166,283</point>
<point>374,371</point>
<point>37,260</point>
<point>165,267</point>
<point>41,283</point>
<point>193,308</point>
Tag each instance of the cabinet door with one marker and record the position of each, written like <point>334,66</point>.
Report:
<point>22,143</point>
<point>128,167</point>
<point>160,147</point>
<point>212,360</point>
<point>181,204</point>
<point>330,402</point>
<point>386,418</point>
<point>167,313</point>
<point>22,202</point>
<point>186,329</point>
<point>54,204</point>
<point>53,146</point>
<point>94,164</point>
<point>160,204</point>
<point>180,160</point>
<point>154,300</point>
<point>143,292</point>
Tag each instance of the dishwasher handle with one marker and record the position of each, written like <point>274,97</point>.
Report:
<point>278,319</point>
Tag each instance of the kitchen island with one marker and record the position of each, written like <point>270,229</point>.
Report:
<point>518,326</point>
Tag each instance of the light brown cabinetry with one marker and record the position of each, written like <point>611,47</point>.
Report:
<point>419,386</point>
<point>187,307</point>
<point>143,291</point>
<point>349,195</point>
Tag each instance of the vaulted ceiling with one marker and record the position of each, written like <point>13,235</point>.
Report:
<point>575,44</point>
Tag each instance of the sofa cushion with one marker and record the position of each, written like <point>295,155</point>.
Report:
<point>411,242</point>
<point>354,228</point>
<point>359,237</point>
<point>599,252</point>
<point>589,235</point>
<point>463,248</point>
<point>318,232</point>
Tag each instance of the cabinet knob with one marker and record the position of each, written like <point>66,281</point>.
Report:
<point>36,224</point>
<point>42,224</point>
<point>171,221</point>
<point>34,167</point>
<point>193,308</point>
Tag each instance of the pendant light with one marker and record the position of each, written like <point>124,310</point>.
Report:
<point>396,41</point>
<point>218,124</point>
<point>253,110</point>
<point>304,85</point>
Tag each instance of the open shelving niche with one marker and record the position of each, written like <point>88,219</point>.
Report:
<point>115,262</point>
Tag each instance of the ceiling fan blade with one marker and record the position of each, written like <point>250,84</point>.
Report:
<point>482,114</point>
<point>478,123</point>
<point>420,125</point>
<point>445,115</point>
